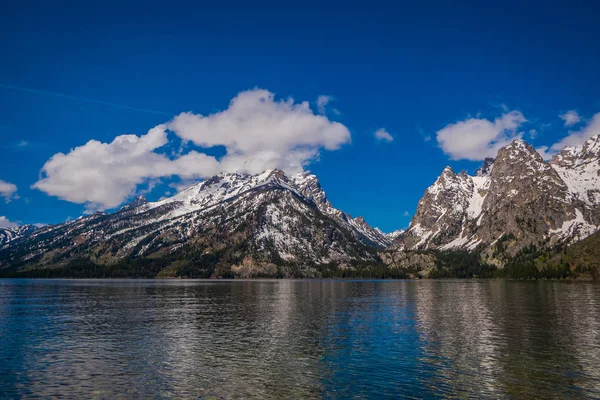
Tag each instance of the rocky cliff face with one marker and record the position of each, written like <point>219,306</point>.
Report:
<point>518,198</point>
<point>238,219</point>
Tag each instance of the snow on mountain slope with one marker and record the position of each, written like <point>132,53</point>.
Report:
<point>579,168</point>
<point>218,189</point>
<point>8,235</point>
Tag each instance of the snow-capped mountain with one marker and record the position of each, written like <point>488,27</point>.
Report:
<point>391,235</point>
<point>8,235</point>
<point>518,197</point>
<point>237,219</point>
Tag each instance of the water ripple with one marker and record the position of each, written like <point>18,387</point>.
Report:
<point>299,339</point>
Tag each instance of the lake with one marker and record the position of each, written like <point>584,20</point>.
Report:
<point>276,339</point>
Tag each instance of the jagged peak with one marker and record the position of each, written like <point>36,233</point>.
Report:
<point>572,156</point>
<point>274,172</point>
<point>486,168</point>
<point>592,144</point>
<point>306,177</point>
<point>136,202</point>
<point>518,149</point>
<point>360,219</point>
<point>447,174</point>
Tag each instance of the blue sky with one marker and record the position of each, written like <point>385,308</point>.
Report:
<point>448,82</point>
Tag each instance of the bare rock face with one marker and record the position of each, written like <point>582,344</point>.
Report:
<point>526,198</point>
<point>486,168</point>
<point>517,198</point>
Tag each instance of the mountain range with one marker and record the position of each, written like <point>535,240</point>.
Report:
<point>272,224</point>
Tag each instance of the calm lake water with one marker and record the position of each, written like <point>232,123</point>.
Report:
<point>299,339</point>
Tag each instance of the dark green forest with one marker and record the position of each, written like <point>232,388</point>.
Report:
<point>581,260</point>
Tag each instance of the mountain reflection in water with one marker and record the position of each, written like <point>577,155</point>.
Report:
<point>299,339</point>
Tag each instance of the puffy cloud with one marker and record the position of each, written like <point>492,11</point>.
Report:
<point>476,138</point>
<point>257,132</point>
<point>383,135</point>
<point>5,223</point>
<point>571,117</point>
<point>576,138</point>
<point>102,175</point>
<point>8,191</point>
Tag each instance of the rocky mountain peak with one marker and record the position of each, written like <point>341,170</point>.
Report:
<point>138,201</point>
<point>516,194</point>
<point>276,173</point>
<point>308,185</point>
<point>573,156</point>
<point>517,161</point>
<point>579,168</point>
<point>518,149</point>
<point>486,168</point>
<point>448,172</point>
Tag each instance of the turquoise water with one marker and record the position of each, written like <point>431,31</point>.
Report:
<point>177,339</point>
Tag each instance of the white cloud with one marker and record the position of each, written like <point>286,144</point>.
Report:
<point>406,214</point>
<point>5,223</point>
<point>322,101</point>
<point>476,138</point>
<point>576,138</point>
<point>23,143</point>
<point>8,191</point>
<point>103,175</point>
<point>257,132</point>
<point>571,117</point>
<point>384,135</point>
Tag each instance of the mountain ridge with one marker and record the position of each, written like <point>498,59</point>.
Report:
<point>249,220</point>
